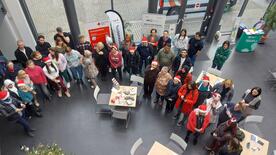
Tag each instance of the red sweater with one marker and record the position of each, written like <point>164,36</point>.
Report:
<point>36,75</point>
<point>115,59</point>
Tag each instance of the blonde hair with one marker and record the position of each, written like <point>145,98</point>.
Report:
<point>100,45</point>
<point>20,74</point>
<point>228,81</point>
<point>87,53</point>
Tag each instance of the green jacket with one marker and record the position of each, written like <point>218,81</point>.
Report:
<point>221,56</point>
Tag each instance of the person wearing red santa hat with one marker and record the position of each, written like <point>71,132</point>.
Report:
<point>13,110</point>
<point>150,77</point>
<point>145,51</point>
<point>55,81</point>
<point>185,75</point>
<point>204,89</point>
<point>171,93</point>
<point>198,121</point>
<point>132,61</point>
<point>124,47</point>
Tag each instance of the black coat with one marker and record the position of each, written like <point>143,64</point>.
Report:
<point>21,57</point>
<point>161,42</point>
<point>43,48</point>
<point>150,75</point>
<point>101,61</point>
<point>9,112</point>
<point>66,34</point>
<point>177,62</point>
<point>12,75</point>
<point>132,61</point>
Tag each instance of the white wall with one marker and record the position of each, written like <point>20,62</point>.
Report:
<point>13,27</point>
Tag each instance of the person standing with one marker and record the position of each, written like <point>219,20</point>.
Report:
<point>171,93</point>
<point>101,60</point>
<point>214,106</point>
<point>204,90</point>
<point>146,53</point>
<point>3,66</point>
<point>180,41</point>
<point>181,61</point>
<point>195,46</point>
<point>22,53</point>
<point>90,69</point>
<point>42,46</point>
<point>60,46</point>
<point>83,45</point>
<point>222,54</point>
<point>74,63</point>
<point>161,83</point>
<point>185,76</point>
<point>66,37</point>
<point>165,56</point>
<point>165,39</point>
<point>153,40</point>
<point>150,77</point>
<point>115,59</point>
<point>230,111</point>
<point>132,61</point>
<point>12,70</point>
<point>187,96</point>
<point>125,48</point>
<point>37,59</point>
<point>225,89</point>
<point>197,123</point>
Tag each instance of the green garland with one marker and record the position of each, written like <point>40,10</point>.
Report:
<point>41,149</point>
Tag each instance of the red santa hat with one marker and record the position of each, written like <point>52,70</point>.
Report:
<point>205,78</point>
<point>202,108</point>
<point>46,60</point>
<point>177,78</point>
<point>232,121</point>
<point>216,96</point>
<point>131,49</point>
<point>154,62</point>
<point>144,39</point>
<point>4,95</point>
<point>20,83</point>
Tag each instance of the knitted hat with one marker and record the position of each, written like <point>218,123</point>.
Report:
<point>20,83</point>
<point>131,49</point>
<point>216,96</point>
<point>4,95</point>
<point>177,78</point>
<point>154,62</point>
<point>144,39</point>
<point>205,78</point>
<point>46,60</point>
<point>202,108</point>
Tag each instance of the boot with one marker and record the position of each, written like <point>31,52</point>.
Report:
<point>59,93</point>
<point>30,134</point>
<point>186,139</point>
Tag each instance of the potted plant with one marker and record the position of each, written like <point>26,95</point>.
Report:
<point>270,22</point>
<point>41,149</point>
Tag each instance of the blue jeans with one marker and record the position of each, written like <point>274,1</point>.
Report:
<point>77,72</point>
<point>144,62</point>
<point>22,121</point>
<point>193,59</point>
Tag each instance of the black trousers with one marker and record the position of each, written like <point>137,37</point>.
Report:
<point>196,134</point>
<point>115,70</point>
<point>170,104</point>
<point>148,88</point>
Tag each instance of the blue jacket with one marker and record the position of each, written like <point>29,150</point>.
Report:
<point>25,96</point>
<point>172,90</point>
<point>177,61</point>
<point>145,52</point>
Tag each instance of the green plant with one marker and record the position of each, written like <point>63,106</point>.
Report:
<point>270,18</point>
<point>41,149</point>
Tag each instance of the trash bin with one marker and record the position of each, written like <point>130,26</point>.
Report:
<point>249,40</point>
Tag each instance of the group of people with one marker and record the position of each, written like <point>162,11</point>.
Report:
<point>165,63</point>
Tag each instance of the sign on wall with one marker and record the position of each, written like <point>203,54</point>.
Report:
<point>151,21</point>
<point>97,31</point>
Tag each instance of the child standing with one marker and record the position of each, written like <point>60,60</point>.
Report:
<point>90,70</point>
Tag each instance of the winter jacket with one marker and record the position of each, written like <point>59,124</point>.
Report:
<point>132,60</point>
<point>162,82</point>
<point>177,61</point>
<point>221,56</point>
<point>190,97</point>
<point>115,59</point>
<point>180,43</point>
<point>185,79</point>
<point>36,75</point>
<point>39,63</point>
<point>223,114</point>
<point>162,42</point>
<point>254,102</point>
<point>153,40</point>
<point>192,121</point>
<point>164,58</point>
<point>145,52</point>
<point>84,46</point>
<point>194,46</point>
<point>43,48</point>
<point>61,62</point>
<point>3,66</point>
<point>172,89</point>
<point>8,109</point>
<point>25,96</point>
<point>228,96</point>
<point>150,75</point>
<point>101,61</point>
<point>21,57</point>
<point>12,74</point>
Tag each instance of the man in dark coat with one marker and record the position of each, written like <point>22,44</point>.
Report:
<point>165,39</point>
<point>151,73</point>
<point>42,46</point>
<point>145,51</point>
<point>66,37</point>
<point>181,61</point>
<point>171,93</point>
<point>22,53</point>
<point>13,110</point>
<point>132,61</point>
<point>195,46</point>
<point>231,110</point>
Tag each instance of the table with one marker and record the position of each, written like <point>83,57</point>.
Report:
<point>124,97</point>
<point>159,149</point>
<point>254,147</point>
<point>213,78</point>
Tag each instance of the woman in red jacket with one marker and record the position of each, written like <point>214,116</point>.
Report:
<point>115,59</point>
<point>198,121</point>
<point>39,79</point>
<point>187,97</point>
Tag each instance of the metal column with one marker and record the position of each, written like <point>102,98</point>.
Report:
<point>72,18</point>
<point>152,6</point>
<point>181,16</point>
<point>243,8</point>
<point>214,25</point>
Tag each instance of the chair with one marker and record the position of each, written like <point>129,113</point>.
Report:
<point>135,146</point>
<point>123,114</point>
<point>101,100</point>
<point>136,80</point>
<point>177,144</point>
<point>214,71</point>
<point>254,119</point>
<point>272,78</point>
<point>251,124</point>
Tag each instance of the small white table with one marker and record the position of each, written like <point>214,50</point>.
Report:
<point>124,97</point>
<point>159,149</point>
<point>213,78</point>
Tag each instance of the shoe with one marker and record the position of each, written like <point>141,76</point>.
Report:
<point>186,139</point>
<point>212,153</point>
<point>174,117</point>
<point>38,114</point>
<point>30,134</point>
<point>32,129</point>
<point>194,141</point>
<point>179,124</point>
<point>208,148</point>
<point>156,101</point>
<point>67,93</point>
<point>92,86</point>
<point>59,93</point>
<point>68,85</point>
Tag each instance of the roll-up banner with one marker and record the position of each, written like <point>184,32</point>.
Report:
<point>117,26</point>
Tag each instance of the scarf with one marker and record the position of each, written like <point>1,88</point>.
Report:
<point>13,89</point>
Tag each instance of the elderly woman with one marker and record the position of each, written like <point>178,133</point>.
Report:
<point>11,88</point>
<point>225,89</point>
<point>101,60</point>
<point>161,83</point>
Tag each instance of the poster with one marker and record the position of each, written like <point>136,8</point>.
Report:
<point>151,21</point>
<point>117,26</point>
<point>97,31</point>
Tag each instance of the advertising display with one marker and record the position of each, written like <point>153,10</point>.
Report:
<point>156,21</point>
<point>97,31</point>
